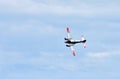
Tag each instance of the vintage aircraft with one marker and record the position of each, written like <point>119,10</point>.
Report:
<point>70,42</point>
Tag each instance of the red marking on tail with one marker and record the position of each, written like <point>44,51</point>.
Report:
<point>74,54</point>
<point>68,30</point>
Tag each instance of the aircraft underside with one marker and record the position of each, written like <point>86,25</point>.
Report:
<point>70,42</point>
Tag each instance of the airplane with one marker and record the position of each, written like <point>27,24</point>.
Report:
<point>70,42</point>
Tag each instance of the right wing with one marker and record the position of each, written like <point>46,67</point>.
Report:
<point>68,33</point>
<point>73,50</point>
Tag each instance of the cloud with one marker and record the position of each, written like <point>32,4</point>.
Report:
<point>98,55</point>
<point>103,55</point>
<point>30,28</point>
<point>37,61</point>
<point>10,58</point>
<point>29,6</point>
<point>57,7</point>
<point>23,64</point>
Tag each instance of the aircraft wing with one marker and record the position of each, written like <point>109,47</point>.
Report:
<point>68,33</point>
<point>73,50</point>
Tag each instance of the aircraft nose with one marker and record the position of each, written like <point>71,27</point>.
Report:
<point>66,42</point>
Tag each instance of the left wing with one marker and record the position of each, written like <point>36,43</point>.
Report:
<point>68,32</point>
<point>73,50</point>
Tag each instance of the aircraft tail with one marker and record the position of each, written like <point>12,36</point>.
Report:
<point>83,40</point>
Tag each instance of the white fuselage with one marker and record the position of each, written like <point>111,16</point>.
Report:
<point>71,42</point>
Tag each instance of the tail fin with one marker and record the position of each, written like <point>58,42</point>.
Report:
<point>83,41</point>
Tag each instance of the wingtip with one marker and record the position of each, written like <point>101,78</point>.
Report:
<point>84,46</point>
<point>68,30</point>
<point>74,54</point>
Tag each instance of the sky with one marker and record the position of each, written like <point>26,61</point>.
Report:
<point>32,39</point>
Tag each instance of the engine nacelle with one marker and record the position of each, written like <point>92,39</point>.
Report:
<point>67,45</point>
